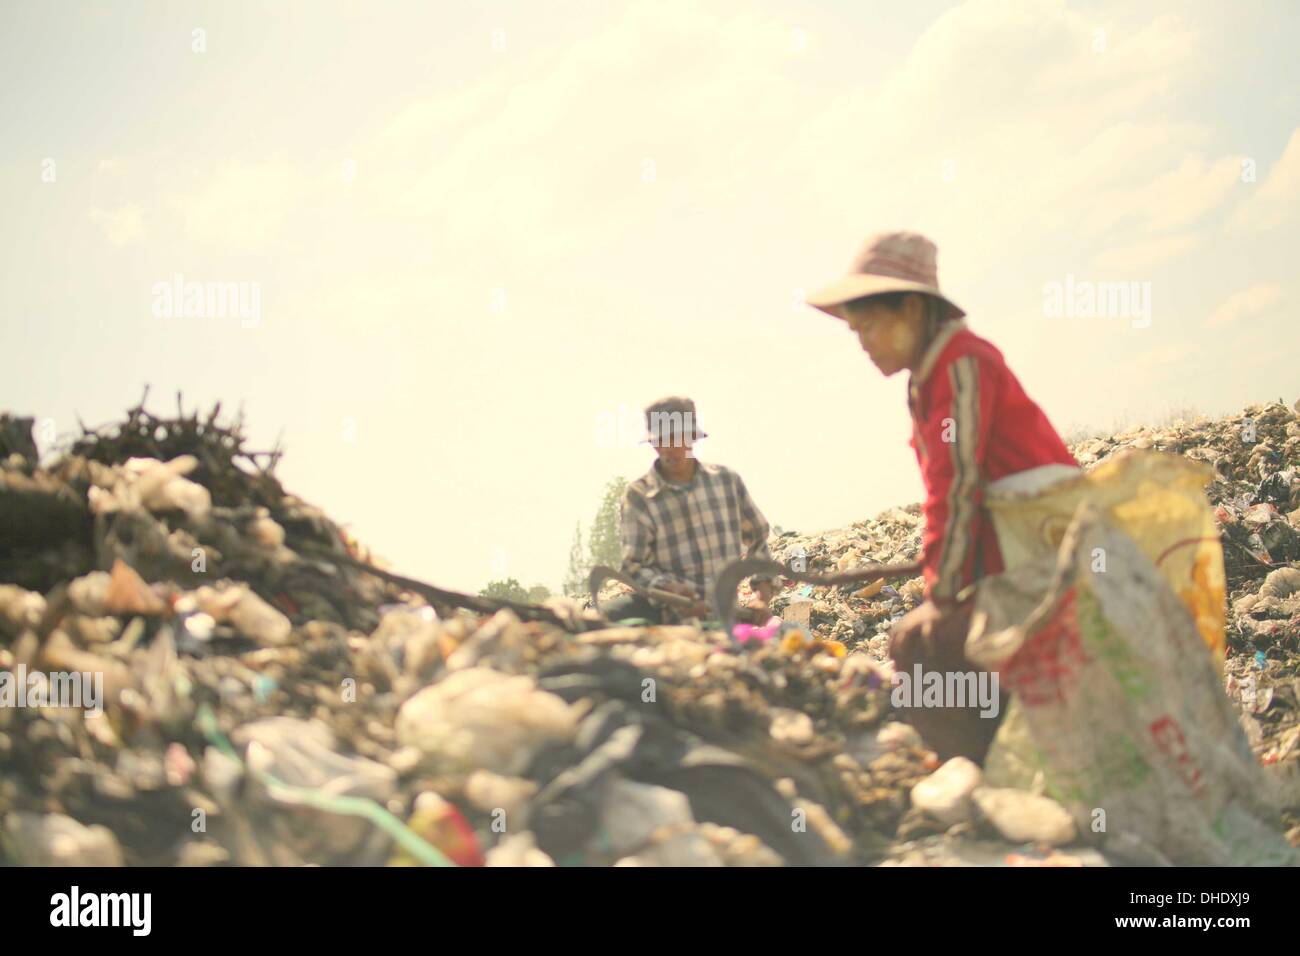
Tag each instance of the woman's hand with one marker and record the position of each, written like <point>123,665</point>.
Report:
<point>918,624</point>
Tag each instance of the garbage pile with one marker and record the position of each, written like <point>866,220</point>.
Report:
<point>154,569</point>
<point>1263,666</point>
<point>1256,495</point>
<point>191,674</point>
<point>1256,491</point>
<point>266,700</point>
<point>1256,499</point>
<point>854,615</point>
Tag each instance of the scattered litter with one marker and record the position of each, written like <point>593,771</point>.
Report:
<point>310,711</point>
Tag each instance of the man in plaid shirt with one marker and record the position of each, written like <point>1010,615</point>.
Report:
<point>685,520</point>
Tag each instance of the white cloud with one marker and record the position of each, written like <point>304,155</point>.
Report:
<point>1049,138</point>
<point>242,204</point>
<point>1046,69</point>
<point>1247,304</point>
<point>1143,256</point>
<point>553,160</point>
<point>1192,191</point>
<point>1277,198</point>
<point>1150,364</point>
<point>543,161</point>
<point>120,226</point>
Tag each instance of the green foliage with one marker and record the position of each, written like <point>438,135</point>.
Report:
<point>605,542</point>
<point>507,590</point>
<point>575,578</point>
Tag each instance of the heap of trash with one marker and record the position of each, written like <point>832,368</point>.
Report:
<point>856,615</point>
<point>199,668</point>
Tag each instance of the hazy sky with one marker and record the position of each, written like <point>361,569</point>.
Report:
<point>471,230</point>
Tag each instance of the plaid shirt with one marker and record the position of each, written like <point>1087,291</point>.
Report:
<point>687,533</point>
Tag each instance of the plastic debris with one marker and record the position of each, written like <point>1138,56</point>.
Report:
<point>371,727</point>
<point>152,484</point>
<point>480,717</point>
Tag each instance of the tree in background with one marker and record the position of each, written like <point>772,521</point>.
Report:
<point>575,579</point>
<point>605,542</point>
<point>538,593</point>
<point>507,590</point>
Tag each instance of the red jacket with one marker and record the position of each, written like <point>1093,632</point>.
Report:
<point>972,424</point>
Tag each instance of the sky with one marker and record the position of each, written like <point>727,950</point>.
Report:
<point>471,241</point>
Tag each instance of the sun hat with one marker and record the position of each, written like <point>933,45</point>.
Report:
<point>888,262</point>
<point>672,419</point>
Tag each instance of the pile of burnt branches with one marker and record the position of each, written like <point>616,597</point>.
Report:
<point>233,473</point>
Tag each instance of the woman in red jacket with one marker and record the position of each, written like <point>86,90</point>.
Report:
<point>972,424</point>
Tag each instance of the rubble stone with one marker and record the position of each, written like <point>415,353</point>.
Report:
<point>946,793</point>
<point>634,811</point>
<point>518,849</point>
<point>1022,817</point>
<point>57,840</point>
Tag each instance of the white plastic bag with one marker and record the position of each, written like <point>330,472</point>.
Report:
<point>1119,711</point>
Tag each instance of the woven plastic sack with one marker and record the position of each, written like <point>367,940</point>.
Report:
<point>1157,499</point>
<point>1120,712</point>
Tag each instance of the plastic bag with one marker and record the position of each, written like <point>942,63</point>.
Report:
<point>1120,714</point>
<point>152,484</point>
<point>236,603</point>
<point>1157,499</point>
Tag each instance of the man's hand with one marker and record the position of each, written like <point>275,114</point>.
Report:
<point>677,587</point>
<point>699,609</point>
